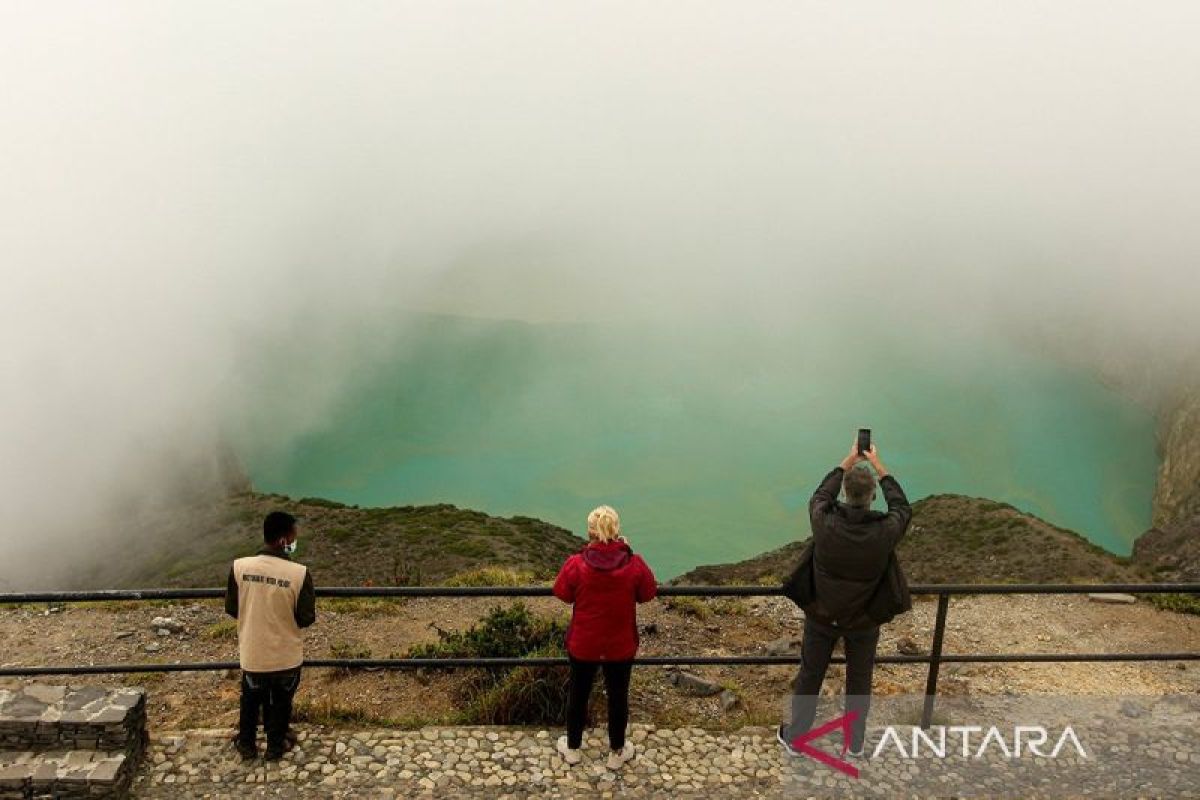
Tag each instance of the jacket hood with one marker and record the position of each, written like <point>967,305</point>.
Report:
<point>607,556</point>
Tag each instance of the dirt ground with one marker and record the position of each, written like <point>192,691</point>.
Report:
<point>120,633</point>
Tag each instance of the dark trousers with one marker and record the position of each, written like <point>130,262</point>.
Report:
<point>616,686</point>
<point>817,648</point>
<point>271,694</point>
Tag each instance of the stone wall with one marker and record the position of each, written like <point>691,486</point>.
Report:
<point>69,742</point>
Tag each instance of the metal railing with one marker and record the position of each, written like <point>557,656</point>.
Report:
<point>935,658</point>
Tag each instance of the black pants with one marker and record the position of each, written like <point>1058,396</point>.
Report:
<point>272,693</point>
<point>817,648</point>
<point>616,685</point>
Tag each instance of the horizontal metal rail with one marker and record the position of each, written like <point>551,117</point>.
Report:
<point>934,659</point>
<point>661,661</point>
<point>102,595</point>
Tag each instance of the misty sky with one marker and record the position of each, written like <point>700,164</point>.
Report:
<point>185,185</point>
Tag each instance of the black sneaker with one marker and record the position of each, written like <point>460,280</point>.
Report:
<point>276,754</point>
<point>248,752</point>
<point>787,746</point>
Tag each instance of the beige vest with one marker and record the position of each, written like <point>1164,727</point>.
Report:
<point>268,637</point>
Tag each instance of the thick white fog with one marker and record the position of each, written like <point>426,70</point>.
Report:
<point>187,186</point>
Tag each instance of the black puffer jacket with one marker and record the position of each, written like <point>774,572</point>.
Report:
<point>853,559</point>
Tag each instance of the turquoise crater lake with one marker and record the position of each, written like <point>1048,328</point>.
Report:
<point>707,441</point>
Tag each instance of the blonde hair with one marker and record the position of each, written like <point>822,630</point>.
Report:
<point>604,525</point>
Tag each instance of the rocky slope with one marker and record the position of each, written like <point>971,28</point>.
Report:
<point>1177,495</point>
<point>956,539</point>
<point>343,545</point>
<point>1172,552</point>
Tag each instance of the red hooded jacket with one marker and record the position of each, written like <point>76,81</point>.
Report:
<point>605,582</point>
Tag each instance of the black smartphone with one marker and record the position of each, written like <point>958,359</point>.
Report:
<point>864,440</point>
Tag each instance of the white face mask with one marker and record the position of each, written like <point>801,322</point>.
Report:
<point>290,547</point>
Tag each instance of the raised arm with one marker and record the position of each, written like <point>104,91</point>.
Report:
<point>899,511</point>
<point>825,496</point>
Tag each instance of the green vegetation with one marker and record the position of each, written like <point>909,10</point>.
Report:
<point>703,609</point>
<point>729,607</point>
<point>347,650</point>
<point>521,696</point>
<point>956,539</point>
<point>1182,603</point>
<point>324,710</point>
<point>491,576</point>
<point>349,546</point>
<point>689,606</point>
<point>468,548</point>
<point>340,535</point>
<point>320,502</point>
<point>368,607</point>
<point>225,629</point>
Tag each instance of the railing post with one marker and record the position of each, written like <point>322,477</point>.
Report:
<point>935,659</point>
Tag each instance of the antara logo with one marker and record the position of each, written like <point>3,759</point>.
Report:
<point>843,723</point>
<point>1025,739</point>
<point>937,742</point>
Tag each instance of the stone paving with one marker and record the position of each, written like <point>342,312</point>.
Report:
<point>70,742</point>
<point>64,775</point>
<point>486,762</point>
<point>40,717</point>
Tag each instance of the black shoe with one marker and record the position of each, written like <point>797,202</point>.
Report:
<point>787,746</point>
<point>248,752</point>
<point>277,753</point>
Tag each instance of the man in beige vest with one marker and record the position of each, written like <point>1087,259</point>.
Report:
<point>272,598</point>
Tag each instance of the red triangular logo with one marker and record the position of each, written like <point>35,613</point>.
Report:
<point>844,723</point>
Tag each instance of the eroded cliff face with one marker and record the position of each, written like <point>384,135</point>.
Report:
<point>1177,495</point>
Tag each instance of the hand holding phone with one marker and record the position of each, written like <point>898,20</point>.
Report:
<point>864,441</point>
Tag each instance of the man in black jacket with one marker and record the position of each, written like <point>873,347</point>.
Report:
<point>856,585</point>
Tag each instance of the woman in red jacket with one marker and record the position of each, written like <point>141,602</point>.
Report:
<point>605,582</point>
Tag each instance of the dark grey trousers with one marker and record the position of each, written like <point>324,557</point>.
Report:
<point>817,648</point>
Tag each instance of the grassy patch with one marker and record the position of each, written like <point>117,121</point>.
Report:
<point>225,629</point>
<point>405,572</point>
<point>729,607</point>
<point>469,548</point>
<point>689,606</point>
<point>520,696</point>
<point>492,576</point>
<point>347,650</point>
<point>368,607</point>
<point>326,711</point>
<point>1182,603</point>
<point>340,535</point>
<point>320,502</point>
